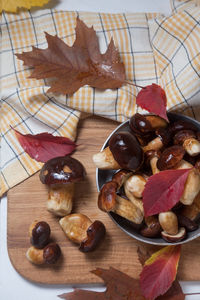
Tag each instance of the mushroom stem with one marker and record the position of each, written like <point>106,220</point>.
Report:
<point>169,222</point>
<point>155,144</point>
<point>104,160</point>
<point>192,211</point>
<point>192,146</point>
<point>128,210</point>
<point>60,199</point>
<point>134,186</point>
<point>192,187</point>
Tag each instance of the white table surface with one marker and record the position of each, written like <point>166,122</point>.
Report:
<point>12,285</point>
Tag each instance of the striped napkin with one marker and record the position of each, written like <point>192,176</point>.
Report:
<point>154,48</point>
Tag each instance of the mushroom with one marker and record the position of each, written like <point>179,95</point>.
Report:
<point>108,201</point>
<point>81,230</point>
<point>192,211</point>
<point>60,174</point>
<point>152,157</point>
<point>170,157</point>
<point>174,238</point>
<point>152,228</point>
<point>169,222</point>
<point>181,125</point>
<point>39,234</point>
<point>49,255</point>
<point>125,150</point>
<point>187,138</point>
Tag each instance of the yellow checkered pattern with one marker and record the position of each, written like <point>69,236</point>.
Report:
<point>154,48</point>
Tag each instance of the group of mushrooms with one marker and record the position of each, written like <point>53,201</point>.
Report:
<point>151,145</point>
<point>60,174</point>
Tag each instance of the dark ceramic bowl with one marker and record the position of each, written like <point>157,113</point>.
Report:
<point>102,176</point>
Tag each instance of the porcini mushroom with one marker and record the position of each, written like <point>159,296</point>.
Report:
<point>187,138</point>
<point>81,230</point>
<point>169,222</point>
<point>60,174</point>
<point>152,157</point>
<point>49,255</point>
<point>152,228</point>
<point>108,201</point>
<point>181,234</point>
<point>125,150</point>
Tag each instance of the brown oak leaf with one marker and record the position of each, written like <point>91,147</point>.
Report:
<point>119,287</point>
<point>76,66</point>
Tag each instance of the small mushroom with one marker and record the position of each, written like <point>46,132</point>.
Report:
<point>49,255</point>
<point>181,125</point>
<point>125,150</point>
<point>155,144</point>
<point>121,176</point>
<point>187,138</point>
<point>152,157</point>
<point>60,174</point>
<point>81,230</point>
<point>170,157</point>
<point>174,238</point>
<point>192,211</point>
<point>152,228</point>
<point>109,201</point>
<point>39,234</point>
<point>169,222</point>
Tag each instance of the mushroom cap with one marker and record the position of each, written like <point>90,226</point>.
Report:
<point>107,196</point>
<point>62,170</point>
<point>170,157</point>
<point>126,150</point>
<point>140,125</point>
<point>183,135</point>
<point>95,234</point>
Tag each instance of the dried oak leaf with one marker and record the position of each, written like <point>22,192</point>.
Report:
<point>12,5</point>
<point>163,190</point>
<point>159,272</point>
<point>153,99</point>
<point>119,287</point>
<point>76,66</point>
<point>45,146</point>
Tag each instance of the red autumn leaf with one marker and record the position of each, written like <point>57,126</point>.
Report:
<point>153,99</point>
<point>76,66</point>
<point>163,190</point>
<point>159,272</point>
<point>119,287</point>
<point>44,146</point>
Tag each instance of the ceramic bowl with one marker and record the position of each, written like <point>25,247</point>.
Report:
<point>102,176</point>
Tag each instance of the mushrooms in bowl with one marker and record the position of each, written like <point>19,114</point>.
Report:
<point>155,137</point>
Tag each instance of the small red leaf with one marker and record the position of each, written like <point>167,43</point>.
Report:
<point>44,146</point>
<point>159,272</point>
<point>153,99</point>
<point>163,190</point>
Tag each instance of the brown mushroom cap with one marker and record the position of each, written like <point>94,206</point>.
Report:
<point>40,234</point>
<point>126,150</point>
<point>140,125</point>
<point>62,170</point>
<point>183,135</point>
<point>107,196</point>
<point>181,125</point>
<point>170,157</point>
<point>95,234</point>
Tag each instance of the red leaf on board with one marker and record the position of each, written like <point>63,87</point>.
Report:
<point>44,146</point>
<point>119,287</point>
<point>76,66</point>
<point>163,190</point>
<point>153,99</point>
<point>159,272</point>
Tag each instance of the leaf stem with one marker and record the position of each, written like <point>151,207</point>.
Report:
<point>131,83</point>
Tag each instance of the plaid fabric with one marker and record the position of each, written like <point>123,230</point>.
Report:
<point>151,47</point>
<point>178,5</point>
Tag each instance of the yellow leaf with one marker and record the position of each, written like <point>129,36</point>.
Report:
<point>12,5</point>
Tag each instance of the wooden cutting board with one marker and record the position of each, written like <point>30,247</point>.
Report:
<point>27,202</point>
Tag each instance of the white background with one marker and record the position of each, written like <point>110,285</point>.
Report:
<point>12,285</point>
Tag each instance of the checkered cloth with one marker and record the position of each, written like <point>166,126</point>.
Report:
<point>154,48</point>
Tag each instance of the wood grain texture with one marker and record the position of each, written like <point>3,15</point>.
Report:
<point>27,202</point>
